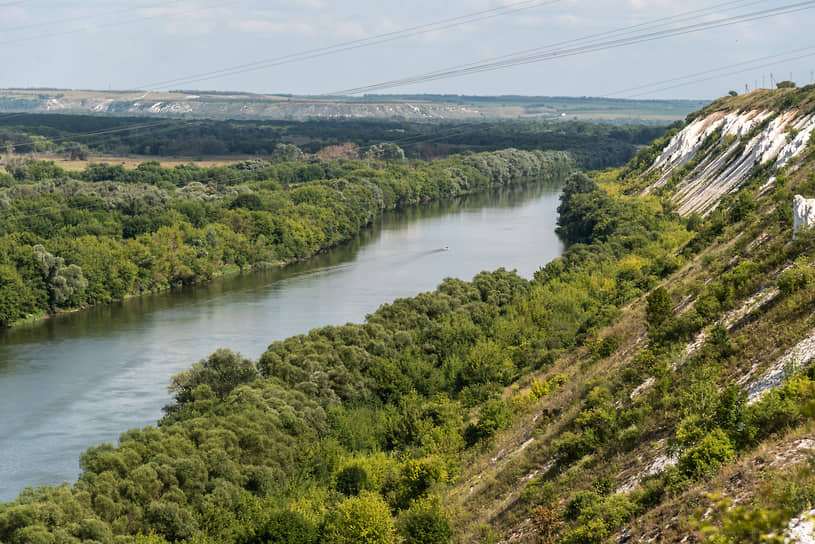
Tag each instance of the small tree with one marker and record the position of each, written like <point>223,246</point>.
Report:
<point>76,151</point>
<point>286,153</point>
<point>222,371</point>
<point>659,308</point>
<point>365,519</point>
<point>785,84</point>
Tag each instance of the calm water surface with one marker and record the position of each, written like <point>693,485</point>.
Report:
<point>81,379</point>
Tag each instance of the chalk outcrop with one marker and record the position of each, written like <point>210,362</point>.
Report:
<point>745,140</point>
<point>803,210</point>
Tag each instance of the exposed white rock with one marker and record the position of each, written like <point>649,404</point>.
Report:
<point>803,213</point>
<point>683,147</point>
<point>784,138</point>
<point>798,357</point>
<point>801,530</point>
<point>657,465</point>
<point>728,320</point>
<point>643,387</point>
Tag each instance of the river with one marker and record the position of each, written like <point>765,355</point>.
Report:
<point>83,378</point>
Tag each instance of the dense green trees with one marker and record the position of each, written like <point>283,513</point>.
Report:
<point>595,145</point>
<point>349,433</point>
<point>110,232</point>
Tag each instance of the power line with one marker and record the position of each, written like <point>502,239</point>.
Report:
<point>417,30</point>
<point>549,53</point>
<point>309,54</point>
<point>593,46</point>
<point>719,71</point>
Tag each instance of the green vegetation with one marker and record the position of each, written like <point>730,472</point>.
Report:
<point>633,389</point>
<point>353,433</point>
<point>73,239</point>
<point>592,145</point>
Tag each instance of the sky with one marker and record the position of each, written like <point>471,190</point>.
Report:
<point>232,46</point>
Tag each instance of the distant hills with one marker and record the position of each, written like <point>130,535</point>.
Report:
<point>223,105</point>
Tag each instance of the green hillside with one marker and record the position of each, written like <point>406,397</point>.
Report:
<point>650,385</point>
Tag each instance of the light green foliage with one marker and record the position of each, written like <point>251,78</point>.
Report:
<point>286,153</point>
<point>61,281</point>
<point>713,450</point>
<point>364,519</point>
<point>799,277</point>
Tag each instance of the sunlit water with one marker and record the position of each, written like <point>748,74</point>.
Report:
<point>81,379</point>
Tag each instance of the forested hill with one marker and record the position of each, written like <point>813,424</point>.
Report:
<point>226,105</point>
<point>594,145</point>
<point>653,384</point>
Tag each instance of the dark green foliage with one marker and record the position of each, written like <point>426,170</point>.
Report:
<point>114,232</point>
<point>220,373</point>
<point>492,417</point>
<point>334,434</point>
<point>425,523</point>
<point>595,145</point>
<point>659,307</point>
<point>351,480</point>
<point>283,527</point>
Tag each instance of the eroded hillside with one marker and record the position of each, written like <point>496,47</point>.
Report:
<point>651,385</point>
<point>689,417</point>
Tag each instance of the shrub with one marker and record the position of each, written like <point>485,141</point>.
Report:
<point>706,458</point>
<point>351,480</point>
<point>425,523</point>
<point>365,519</point>
<point>659,307</point>
<point>797,278</point>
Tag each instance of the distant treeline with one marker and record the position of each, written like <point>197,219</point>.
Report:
<point>594,146</point>
<point>72,239</point>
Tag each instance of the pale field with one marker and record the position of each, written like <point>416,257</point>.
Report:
<point>133,162</point>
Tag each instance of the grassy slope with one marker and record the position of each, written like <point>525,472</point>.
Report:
<point>515,490</point>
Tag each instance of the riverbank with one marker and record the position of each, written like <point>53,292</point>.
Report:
<point>323,214</point>
<point>106,369</point>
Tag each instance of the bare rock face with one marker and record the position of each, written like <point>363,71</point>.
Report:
<point>803,210</point>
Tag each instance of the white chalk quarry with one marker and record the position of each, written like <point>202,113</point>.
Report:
<point>784,138</point>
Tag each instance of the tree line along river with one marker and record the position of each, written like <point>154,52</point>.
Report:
<point>83,378</point>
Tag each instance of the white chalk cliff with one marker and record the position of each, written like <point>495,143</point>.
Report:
<point>803,213</point>
<point>723,170</point>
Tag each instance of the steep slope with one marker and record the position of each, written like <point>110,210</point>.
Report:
<point>690,417</point>
<point>651,385</point>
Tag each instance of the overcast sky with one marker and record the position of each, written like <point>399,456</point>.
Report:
<point>145,44</point>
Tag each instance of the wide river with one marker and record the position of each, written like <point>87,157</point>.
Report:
<point>83,378</point>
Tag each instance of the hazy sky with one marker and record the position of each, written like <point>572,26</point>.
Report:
<point>152,45</point>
